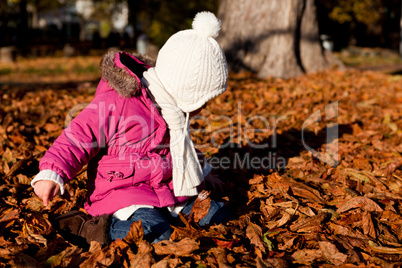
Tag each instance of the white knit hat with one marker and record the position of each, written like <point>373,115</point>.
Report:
<point>192,66</point>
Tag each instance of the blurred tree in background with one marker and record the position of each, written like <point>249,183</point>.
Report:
<point>272,38</point>
<point>19,23</point>
<point>17,16</point>
<point>160,19</point>
<point>366,23</point>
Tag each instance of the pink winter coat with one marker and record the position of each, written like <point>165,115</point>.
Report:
<point>123,139</point>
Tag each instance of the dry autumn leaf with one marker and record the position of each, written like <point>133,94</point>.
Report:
<point>116,253</point>
<point>254,233</point>
<point>167,263</point>
<point>362,202</point>
<point>9,215</point>
<point>332,254</point>
<point>305,256</point>
<point>200,207</point>
<point>220,255</point>
<point>144,257</point>
<point>63,259</point>
<point>184,247</point>
<point>136,233</point>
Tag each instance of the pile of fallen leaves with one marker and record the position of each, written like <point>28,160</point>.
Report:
<point>328,193</point>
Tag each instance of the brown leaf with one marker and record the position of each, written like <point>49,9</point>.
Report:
<point>17,138</point>
<point>8,156</point>
<point>136,233</point>
<point>63,259</point>
<point>191,232</point>
<point>113,254</point>
<point>220,256</point>
<point>184,247</point>
<point>34,204</point>
<point>23,179</point>
<point>308,223</point>
<point>254,233</point>
<point>368,225</point>
<point>17,166</point>
<point>392,167</point>
<point>94,247</point>
<point>224,243</point>
<point>9,215</point>
<point>32,236</point>
<point>167,263</point>
<point>386,250</point>
<point>362,202</point>
<point>379,262</point>
<point>391,216</point>
<point>346,231</point>
<point>286,217</point>
<point>143,258</point>
<point>51,127</point>
<point>308,193</point>
<point>362,163</point>
<point>271,263</point>
<point>200,207</point>
<point>257,179</point>
<point>35,227</point>
<point>288,244</point>
<point>306,256</point>
<point>4,252</point>
<point>331,253</point>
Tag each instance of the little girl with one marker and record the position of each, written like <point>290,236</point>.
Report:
<point>134,135</point>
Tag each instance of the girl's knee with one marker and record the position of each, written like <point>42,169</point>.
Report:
<point>118,229</point>
<point>217,213</point>
<point>155,225</point>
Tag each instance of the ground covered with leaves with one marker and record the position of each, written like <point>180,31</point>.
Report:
<point>311,167</point>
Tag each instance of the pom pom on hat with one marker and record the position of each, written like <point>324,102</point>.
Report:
<point>191,66</point>
<point>206,24</point>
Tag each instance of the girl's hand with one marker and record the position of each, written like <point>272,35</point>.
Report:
<point>46,190</point>
<point>213,182</point>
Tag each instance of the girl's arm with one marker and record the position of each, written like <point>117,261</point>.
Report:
<point>78,143</point>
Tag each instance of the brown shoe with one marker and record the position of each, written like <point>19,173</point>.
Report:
<point>80,228</point>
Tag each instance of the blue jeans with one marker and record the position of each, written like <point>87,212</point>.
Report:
<point>156,222</point>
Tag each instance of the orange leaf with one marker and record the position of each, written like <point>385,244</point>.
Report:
<point>136,233</point>
<point>224,243</point>
<point>143,258</point>
<point>362,202</point>
<point>9,215</point>
<point>184,247</point>
<point>254,233</point>
<point>200,207</point>
<point>332,254</point>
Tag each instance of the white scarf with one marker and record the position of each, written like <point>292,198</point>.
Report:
<point>187,172</point>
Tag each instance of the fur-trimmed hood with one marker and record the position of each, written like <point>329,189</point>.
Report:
<point>123,71</point>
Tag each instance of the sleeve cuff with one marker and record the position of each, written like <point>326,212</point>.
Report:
<point>49,175</point>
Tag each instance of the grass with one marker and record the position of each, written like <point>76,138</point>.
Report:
<point>364,57</point>
<point>5,70</point>
<point>86,68</point>
<point>50,69</point>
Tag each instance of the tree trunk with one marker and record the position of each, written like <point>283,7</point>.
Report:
<point>271,37</point>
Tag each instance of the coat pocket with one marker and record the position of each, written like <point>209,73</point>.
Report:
<point>114,169</point>
<point>113,173</point>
